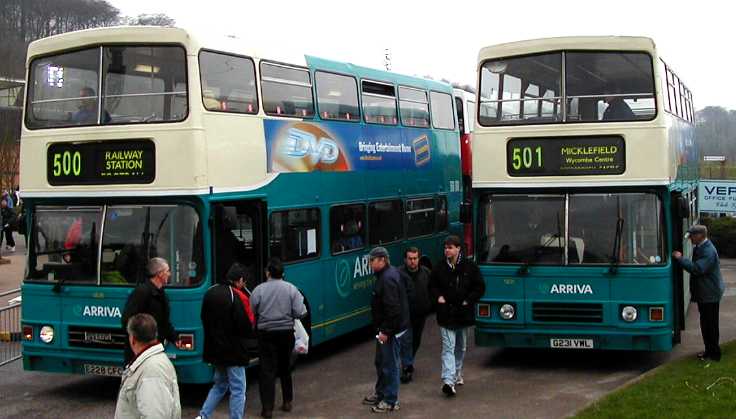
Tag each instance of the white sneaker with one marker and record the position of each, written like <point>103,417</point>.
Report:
<point>459,379</point>
<point>11,249</point>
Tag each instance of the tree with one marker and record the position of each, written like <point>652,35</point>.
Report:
<point>157,19</point>
<point>24,21</point>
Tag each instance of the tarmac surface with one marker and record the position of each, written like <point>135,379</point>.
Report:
<point>331,382</point>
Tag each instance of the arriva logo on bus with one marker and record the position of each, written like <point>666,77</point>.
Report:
<point>571,289</point>
<point>348,279</point>
<point>97,311</point>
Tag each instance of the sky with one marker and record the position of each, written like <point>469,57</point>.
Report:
<point>442,38</point>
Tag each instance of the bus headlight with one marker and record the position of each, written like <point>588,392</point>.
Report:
<point>507,311</point>
<point>46,334</point>
<point>629,314</point>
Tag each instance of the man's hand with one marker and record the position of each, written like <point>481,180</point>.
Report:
<point>441,300</point>
<point>677,255</point>
<point>382,337</point>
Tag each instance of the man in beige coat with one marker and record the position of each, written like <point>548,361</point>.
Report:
<point>148,388</point>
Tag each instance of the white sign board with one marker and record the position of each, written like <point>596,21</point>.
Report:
<point>717,196</point>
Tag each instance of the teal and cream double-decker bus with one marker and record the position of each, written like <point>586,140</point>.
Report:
<point>141,142</point>
<point>594,186</point>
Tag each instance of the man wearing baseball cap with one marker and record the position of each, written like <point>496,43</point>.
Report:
<point>390,312</point>
<point>706,287</point>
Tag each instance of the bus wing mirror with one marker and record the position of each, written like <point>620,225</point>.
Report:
<point>466,212</point>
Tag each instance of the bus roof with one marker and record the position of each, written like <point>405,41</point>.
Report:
<point>532,46</point>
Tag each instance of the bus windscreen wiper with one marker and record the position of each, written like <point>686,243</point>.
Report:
<point>615,259</point>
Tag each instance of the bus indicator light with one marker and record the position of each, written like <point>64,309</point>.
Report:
<point>484,310</point>
<point>656,314</point>
<point>185,342</point>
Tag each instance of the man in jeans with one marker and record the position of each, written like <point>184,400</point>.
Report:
<point>390,312</point>
<point>706,287</point>
<point>276,304</point>
<point>227,327</point>
<point>456,285</point>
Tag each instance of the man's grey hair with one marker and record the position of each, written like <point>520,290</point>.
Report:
<point>156,266</point>
<point>142,327</point>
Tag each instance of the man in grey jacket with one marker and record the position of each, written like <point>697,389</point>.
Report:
<point>148,388</point>
<point>276,304</point>
<point>706,287</point>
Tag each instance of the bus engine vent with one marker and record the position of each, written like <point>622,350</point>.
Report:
<point>97,337</point>
<point>567,312</point>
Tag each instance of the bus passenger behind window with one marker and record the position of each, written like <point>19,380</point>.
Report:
<point>87,113</point>
<point>617,109</point>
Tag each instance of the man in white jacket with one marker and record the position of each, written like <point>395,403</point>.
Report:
<point>148,388</point>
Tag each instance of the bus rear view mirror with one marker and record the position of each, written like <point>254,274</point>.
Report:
<point>466,212</point>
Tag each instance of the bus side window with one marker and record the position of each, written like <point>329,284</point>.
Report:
<point>386,224</point>
<point>286,90</point>
<point>337,96</point>
<point>228,83</point>
<point>347,228</point>
<point>295,234</point>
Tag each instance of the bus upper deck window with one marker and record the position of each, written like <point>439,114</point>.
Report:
<point>610,86</point>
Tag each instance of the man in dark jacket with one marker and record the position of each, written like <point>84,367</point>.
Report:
<point>706,287</point>
<point>149,297</point>
<point>227,327</point>
<point>390,311</point>
<point>8,223</point>
<point>456,285</point>
<point>420,304</point>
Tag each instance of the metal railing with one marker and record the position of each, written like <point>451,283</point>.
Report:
<point>10,330</point>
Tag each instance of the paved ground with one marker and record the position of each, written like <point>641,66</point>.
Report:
<point>333,380</point>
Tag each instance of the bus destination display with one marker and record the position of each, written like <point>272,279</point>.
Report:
<point>101,163</point>
<point>569,156</point>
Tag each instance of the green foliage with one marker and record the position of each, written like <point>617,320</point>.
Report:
<point>687,388</point>
<point>722,231</point>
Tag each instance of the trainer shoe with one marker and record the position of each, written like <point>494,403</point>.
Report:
<point>372,399</point>
<point>406,375</point>
<point>449,390</point>
<point>383,407</point>
<point>11,249</point>
<point>459,381</point>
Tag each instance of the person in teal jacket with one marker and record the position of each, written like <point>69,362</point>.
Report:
<point>706,287</point>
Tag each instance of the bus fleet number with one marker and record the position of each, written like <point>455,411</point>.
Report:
<point>68,163</point>
<point>526,157</point>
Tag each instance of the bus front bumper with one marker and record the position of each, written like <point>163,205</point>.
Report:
<point>659,339</point>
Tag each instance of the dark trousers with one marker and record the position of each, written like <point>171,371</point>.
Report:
<point>275,349</point>
<point>9,240</point>
<point>387,370</point>
<point>417,327</point>
<point>709,329</point>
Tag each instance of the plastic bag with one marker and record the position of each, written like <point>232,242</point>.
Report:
<point>301,338</point>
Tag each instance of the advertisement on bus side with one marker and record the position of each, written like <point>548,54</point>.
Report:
<point>298,146</point>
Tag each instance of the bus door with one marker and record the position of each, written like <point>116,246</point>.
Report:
<point>238,236</point>
<point>680,295</point>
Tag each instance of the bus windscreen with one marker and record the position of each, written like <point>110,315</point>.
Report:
<point>140,84</point>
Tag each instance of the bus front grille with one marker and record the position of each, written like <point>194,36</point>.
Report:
<point>97,337</point>
<point>567,312</point>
